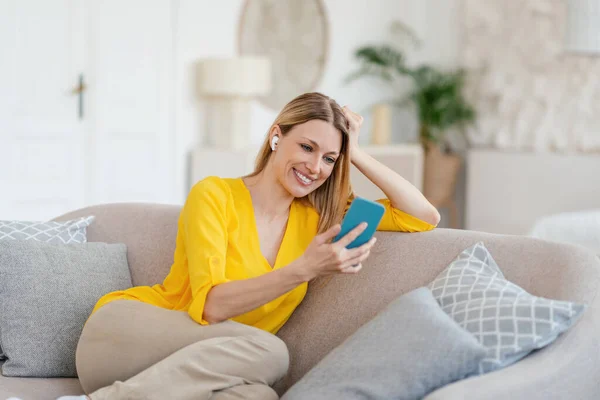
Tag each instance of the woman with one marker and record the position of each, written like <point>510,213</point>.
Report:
<point>246,249</point>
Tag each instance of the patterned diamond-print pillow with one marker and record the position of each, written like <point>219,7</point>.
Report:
<point>506,319</point>
<point>72,231</point>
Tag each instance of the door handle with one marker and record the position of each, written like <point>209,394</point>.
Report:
<point>79,92</point>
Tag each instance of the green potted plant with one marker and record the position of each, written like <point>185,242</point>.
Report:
<point>438,99</point>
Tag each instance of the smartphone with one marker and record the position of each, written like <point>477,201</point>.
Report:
<point>361,210</point>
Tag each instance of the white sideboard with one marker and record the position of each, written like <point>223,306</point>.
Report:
<point>507,192</point>
<point>407,160</point>
<point>219,162</point>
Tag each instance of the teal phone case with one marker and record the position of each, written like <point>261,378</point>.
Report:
<point>361,210</point>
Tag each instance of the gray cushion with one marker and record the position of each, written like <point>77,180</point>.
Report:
<point>46,294</point>
<point>406,351</point>
<point>72,231</point>
<point>506,319</point>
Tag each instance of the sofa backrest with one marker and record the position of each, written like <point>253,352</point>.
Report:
<point>400,262</point>
<point>148,230</point>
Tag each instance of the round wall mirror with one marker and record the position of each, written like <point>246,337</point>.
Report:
<point>294,36</point>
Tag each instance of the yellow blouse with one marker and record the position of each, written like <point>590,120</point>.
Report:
<point>217,242</point>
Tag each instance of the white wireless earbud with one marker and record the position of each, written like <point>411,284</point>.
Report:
<point>274,142</point>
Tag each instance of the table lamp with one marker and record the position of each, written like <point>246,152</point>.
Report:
<point>228,86</point>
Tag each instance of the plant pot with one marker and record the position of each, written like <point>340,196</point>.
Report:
<point>439,179</point>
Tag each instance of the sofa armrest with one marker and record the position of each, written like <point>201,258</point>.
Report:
<point>568,368</point>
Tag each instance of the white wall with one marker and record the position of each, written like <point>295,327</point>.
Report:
<point>439,25</point>
<point>209,29</point>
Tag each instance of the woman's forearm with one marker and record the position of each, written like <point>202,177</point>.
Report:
<point>401,193</point>
<point>235,298</point>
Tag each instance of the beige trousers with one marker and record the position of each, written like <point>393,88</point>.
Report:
<point>132,350</point>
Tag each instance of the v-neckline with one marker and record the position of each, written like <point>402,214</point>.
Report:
<point>255,237</point>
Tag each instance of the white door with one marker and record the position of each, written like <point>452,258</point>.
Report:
<point>131,81</point>
<point>42,163</point>
<point>58,153</point>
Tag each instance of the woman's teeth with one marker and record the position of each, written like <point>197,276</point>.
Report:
<point>303,178</point>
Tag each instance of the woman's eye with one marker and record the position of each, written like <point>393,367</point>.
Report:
<point>306,147</point>
<point>330,160</point>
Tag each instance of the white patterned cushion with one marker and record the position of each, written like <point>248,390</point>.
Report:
<point>506,319</point>
<point>72,231</point>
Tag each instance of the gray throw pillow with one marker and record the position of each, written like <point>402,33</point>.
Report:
<point>409,349</point>
<point>72,231</point>
<point>506,319</point>
<point>47,292</point>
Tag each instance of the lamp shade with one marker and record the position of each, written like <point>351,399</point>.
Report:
<point>583,26</point>
<point>238,77</point>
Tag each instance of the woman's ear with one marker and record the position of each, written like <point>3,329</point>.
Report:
<point>276,130</point>
<point>275,133</point>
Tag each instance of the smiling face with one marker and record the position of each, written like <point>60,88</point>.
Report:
<point>306,156</point>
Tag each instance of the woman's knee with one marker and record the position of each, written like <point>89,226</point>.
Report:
<point>273,350</point>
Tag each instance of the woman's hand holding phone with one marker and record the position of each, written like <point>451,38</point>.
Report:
<point>323,258</point>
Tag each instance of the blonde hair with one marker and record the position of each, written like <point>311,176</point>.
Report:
<point>330,199</point>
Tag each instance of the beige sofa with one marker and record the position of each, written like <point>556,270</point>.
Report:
<point>568,368</point>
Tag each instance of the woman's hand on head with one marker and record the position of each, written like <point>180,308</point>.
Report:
<point>354,123</point>
<point>323,258</point>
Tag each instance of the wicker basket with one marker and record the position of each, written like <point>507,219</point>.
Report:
<point>439,181</point>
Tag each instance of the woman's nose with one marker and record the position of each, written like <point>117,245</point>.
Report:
<point>314,165</point>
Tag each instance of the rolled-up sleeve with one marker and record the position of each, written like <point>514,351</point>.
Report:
<point>397,220</point>
<point>204,219</point>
